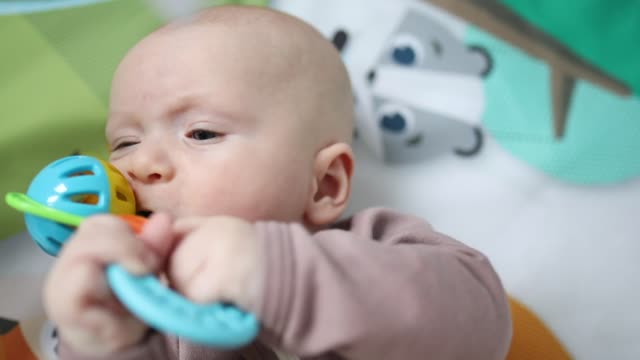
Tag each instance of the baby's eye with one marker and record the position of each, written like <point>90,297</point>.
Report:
<point>123,144</point>
<point>200,134</point>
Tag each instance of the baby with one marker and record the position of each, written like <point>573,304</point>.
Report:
<point>233,128</point>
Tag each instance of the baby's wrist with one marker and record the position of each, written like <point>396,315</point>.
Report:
<point>249,284</point>
<point>83,343</point>
<point>67,350</point>
<point>79,345</point>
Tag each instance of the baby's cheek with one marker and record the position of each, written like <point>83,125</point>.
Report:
<point>283,201</point>
<point>222,200</point>
<point>274,190</point>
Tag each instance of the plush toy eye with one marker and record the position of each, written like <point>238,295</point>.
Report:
<point>393,122</point>
<point>340,39</point>
<point>395,119</point>
<point>49,341</point>
<point>407,50</point>
<point>436,47</point>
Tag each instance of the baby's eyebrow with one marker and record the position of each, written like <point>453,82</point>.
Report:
<point>116,118</point>
<point>188,103</point>
<point>180,107</point>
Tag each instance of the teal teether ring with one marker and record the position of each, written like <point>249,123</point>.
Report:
<point>218,325</point>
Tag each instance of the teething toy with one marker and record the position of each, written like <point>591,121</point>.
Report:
<point>72,188</point>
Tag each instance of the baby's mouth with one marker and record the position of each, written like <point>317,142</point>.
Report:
<point>144,213</point>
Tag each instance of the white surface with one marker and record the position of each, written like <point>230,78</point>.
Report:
<point>568,252</point>
<point>23,267</point>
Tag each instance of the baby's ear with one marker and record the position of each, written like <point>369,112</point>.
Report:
<point>331,188</point>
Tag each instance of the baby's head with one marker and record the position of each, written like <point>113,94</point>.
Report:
<point>238,111</point>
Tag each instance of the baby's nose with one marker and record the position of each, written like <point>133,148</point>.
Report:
<point>151,174</point>
<point>151,167</point>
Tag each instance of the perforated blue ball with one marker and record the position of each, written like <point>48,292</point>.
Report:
<point>64,185</point>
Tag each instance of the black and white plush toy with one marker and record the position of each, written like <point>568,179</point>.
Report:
<point>418,86</point>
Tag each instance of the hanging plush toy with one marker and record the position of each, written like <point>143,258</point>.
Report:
<point>418,86</point>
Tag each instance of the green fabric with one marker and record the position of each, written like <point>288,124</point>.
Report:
<point>601,144</point>
<point>244,2</point>
<point>604,32</point>
<point>55,75</point>
<point>93,39</point>
<point>46,110</point>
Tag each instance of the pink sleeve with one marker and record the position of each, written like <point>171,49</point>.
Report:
<point>383,286</point>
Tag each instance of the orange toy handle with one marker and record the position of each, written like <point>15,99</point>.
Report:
<point>134,221</point>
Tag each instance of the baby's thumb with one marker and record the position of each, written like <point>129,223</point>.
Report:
<point>158,235</point>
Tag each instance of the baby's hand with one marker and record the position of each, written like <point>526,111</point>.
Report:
<point>77,296</point>
<point>217,259</point>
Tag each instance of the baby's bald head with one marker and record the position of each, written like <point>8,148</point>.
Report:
<point>281,53</point>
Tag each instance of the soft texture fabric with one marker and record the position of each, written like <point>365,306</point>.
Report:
<point>532,339</point>
<point>600,145</point>
<point>380,285</point>
<point>603,32</point>
<point>12,342</point>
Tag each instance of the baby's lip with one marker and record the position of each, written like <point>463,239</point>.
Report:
<point>144,213</point>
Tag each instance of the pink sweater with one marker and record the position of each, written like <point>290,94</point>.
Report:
<point>380,285</point>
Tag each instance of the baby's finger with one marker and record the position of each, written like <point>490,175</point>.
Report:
<point>99,332</point>
<point>158,234</point>
<point>183,226</point>
<point>106,239</point>
<point>113,329</point>
<point>70,288</point>
<point>200,289</point>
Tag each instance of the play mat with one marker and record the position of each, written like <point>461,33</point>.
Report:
<point>454,124</point>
